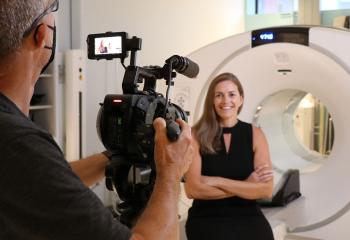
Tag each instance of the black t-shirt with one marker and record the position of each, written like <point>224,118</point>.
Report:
<point>40,196</point>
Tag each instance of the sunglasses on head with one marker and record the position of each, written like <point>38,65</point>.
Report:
<point>52,8</point>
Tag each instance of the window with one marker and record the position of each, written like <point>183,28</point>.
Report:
<point>255,7</point>
<point>334,4</point>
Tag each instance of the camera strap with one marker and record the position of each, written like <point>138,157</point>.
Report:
<point>151,111</point>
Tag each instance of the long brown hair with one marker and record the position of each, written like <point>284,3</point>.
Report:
<point>207,129</point>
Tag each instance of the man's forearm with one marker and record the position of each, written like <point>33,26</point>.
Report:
<point>91,169</point>
<point>159,219</point>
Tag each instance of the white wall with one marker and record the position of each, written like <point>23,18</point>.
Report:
<point>63,23</point>
<point>166,28</point>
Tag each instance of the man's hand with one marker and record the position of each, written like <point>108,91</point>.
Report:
<point>172,158</point>
<point>159,220</point>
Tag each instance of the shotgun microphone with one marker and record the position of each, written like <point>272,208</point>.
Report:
<point>184,66</point>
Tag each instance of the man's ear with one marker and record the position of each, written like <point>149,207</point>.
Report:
<point>40,35</point>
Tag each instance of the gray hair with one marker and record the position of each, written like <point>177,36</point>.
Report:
<point>16,16</point>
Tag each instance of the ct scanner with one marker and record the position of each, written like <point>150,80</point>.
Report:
<point>277,66</point>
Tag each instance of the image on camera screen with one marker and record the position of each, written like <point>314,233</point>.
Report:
<point>108,45</point>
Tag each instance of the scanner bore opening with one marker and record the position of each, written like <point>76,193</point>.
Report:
<point>299,129</point>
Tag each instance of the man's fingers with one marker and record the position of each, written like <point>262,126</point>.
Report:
<point>185,128</point>
<point>159,124</point>
<point>160,128</point>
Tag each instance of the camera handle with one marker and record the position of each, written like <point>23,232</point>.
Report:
<point>133,44</point>
<point>173,130</point>
<point>133,58</point>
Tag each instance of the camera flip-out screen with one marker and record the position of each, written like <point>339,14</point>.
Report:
<point>106,45</point>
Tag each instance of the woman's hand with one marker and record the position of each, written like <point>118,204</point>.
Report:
<point>262,174</point>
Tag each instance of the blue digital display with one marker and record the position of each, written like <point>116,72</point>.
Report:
<point>269,36</point>
<point>297,35</point>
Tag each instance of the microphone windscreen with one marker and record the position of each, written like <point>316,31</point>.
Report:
<point>184,66</point>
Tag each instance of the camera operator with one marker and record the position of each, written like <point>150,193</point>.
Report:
<point>41,195</point>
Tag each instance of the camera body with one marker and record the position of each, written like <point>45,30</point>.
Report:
<point>125,121</point>
<point>125,124</point>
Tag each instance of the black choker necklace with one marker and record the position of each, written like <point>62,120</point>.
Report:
<point>226,129</point>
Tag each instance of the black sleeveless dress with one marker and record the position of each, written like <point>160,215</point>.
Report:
<point>230,218</point>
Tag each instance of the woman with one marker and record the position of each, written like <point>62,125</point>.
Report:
<point>102,48</point>
<point>230,170</point>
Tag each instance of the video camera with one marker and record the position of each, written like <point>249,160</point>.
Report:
<point>125,121</point>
